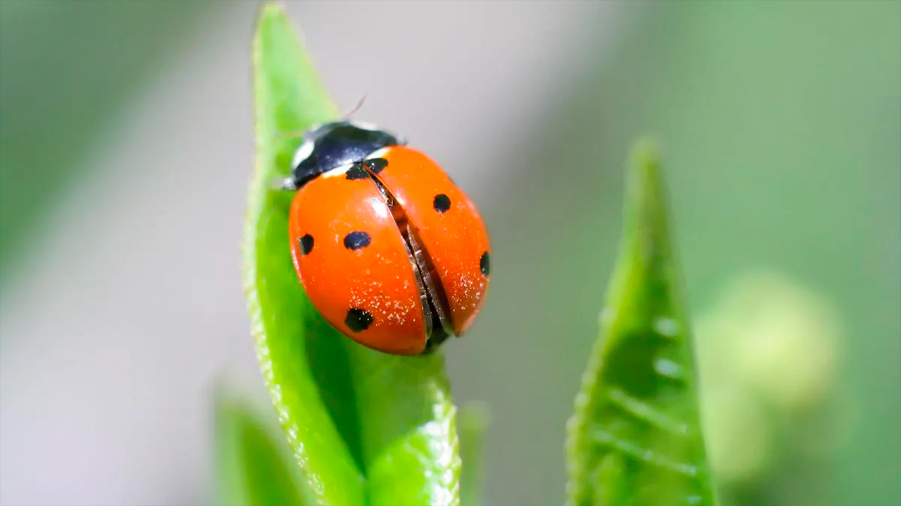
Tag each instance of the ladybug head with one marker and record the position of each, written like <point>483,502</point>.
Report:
<point>333,145</point>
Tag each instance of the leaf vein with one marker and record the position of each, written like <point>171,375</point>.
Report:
<point>646,412</point>
<point>646,455</point>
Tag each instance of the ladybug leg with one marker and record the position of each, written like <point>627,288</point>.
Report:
<point>438,336</point>
<point>285,183</point>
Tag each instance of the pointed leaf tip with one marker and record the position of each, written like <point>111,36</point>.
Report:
<point>635,435</point>
<point>645,155</point>
<point>645,210</point>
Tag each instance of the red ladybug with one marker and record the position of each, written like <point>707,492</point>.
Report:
<point>390,251</point>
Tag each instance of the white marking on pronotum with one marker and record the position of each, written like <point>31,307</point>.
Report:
<point>302,153</point>
<point>362,125</point>
<point>379,153</point>
<point>340,171</point>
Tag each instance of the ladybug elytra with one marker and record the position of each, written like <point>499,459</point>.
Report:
<point>389,250</point>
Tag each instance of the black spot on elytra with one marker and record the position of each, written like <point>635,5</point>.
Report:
<point>356,240</point>
<point>306,244</point>
<point>358,320</point>
<point>441,203</point>
<point>356,172</point>
<point>376,165</point>
<point>485,263</point>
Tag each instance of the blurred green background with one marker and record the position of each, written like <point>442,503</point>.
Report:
<point>126,143</point>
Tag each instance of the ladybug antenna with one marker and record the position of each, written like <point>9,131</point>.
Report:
<point>298,134</point>
<point>356,107</point>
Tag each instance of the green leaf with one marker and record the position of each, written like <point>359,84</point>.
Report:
<point>254,466</point>
<point>366,427</point>
<point>635,436</point>
<point>474,420</point>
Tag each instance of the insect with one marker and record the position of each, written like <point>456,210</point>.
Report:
<point>389,250</point>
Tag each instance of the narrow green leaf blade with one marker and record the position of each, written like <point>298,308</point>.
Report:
<point>289,98</point>
<point>366,427</point>
<point>635,436</point>
<point>254,467</point>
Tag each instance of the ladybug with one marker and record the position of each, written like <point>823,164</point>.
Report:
<point>389,250</point>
